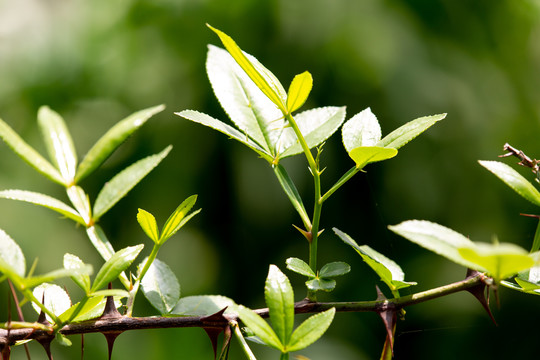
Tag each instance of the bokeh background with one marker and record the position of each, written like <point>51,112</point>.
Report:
<point>96,62</point>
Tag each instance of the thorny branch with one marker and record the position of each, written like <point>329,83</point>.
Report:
<point>526,161</point>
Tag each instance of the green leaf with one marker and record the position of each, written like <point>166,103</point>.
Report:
<point>364,155</point>
<point>203,305</point>
<point>42,200</point>
<point>160,286</point>
<point>316,125</point>
<point>99,240</point>
<point>513,179</point>
<point>299,266</point>
<point>28,154</point>
<point>58,142</point>
<point>82,280</point>
<point>263,78</point>
<point>148,223</point>
<point>62,340</point>
<point>122,183</point>
<point>310,330</point>
<point>437,238</point>
<point>333,269</point>
<point>279,297</point>
<point>362,129</point>
<point>402,135</point>
<point>11,255</point>
<point>53,297</point>
<point>299,91</point>
<point>226,129</point>
<point>80,200</point>
<point>117,293</point>
<point>113,267</point>
<point>177,219</point>
<point>389,272</point>
<point>292,192</point>
<point>259,327</point>
<point>499,260</point>
<point>527,285</point>
<point>32,281</point>
<point>319,284</point>
<point>112,139</point>
<point>93,308</point>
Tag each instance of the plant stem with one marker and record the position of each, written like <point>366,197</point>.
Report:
<point>348,175</point>
<point>243,343</point>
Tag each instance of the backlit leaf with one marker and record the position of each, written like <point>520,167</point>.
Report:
<point>11,255</point>
<point>73,262</point>
<point>93,308</point>
<point>366,155</point>
<point>160,286</point>
<point>299,91</point>
<point>177,218</point>
<point>113,267</point>
<point>402,135</point>
<point>310,330</point>
<point>362,129</point>
<point>279,297</point>
<point>53,297</point>
<point>148,223</point>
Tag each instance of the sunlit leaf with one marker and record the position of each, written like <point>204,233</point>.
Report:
<point>32,281</point>
<point>319,284</point>
<point>310,330</point>
<point>299,91</point>
<point>148,223</point>
<point>11,255</point>
<point>112,139</point>
<point>402,135</point>
<point>203,305</point>
<point>73,262</point>
<point>80,200</point>
<point>123,182</point>
<point>58,142</point>
<point>92,309</point>
<point>259,327</point>
<point>366,155</point>
<point>28,154</point>
<point>299,266</point>
<point>177,218</point>
<point>160,286</point>
<point>42,200</point>
<point>53,297</point>
<point>514,180</point>
<point>279,297</point>
<point>362,129</point>
<point>113,267</point>
<point>436,238</point>
<point>333,269</point>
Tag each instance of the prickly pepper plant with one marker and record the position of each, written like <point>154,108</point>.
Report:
<point>268,120</point>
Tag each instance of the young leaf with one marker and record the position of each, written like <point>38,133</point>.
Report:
<point>333,269</point>
<point>43,200</point>
<point>279,298</point>
<point>113,267</point>
<point>112,139</point>
<point>319,284</point>
<point>259,327</point>
<point>436,238</point>
<point>514,180</point>
<point>364,155</point>
<point>80,200</point>
<point>58,142</point>
<point>402,135</point>
<point>203,305</point>
<point>300,267</point>
<point>123,182</point>
<point>499,260</point>
<point>28,154</point>
<point>82,280</point>
<point>310,330</point>
<point>177,218</point>
<point>264,80</point>
<point>160,286</point>
<point>362,129</point>
<point>299,91</point>
<point>53,297</point>
<point>11,255</point>
<point>148,223</point>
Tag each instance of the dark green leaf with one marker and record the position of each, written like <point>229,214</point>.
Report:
<point>113,267</point>
<point>160,286</point>
<point>279,297</point>
<point>333,269</point>
<point>310,330</point>
<point>292,193</point>
<point>300,267</point>
<point>319,284</point>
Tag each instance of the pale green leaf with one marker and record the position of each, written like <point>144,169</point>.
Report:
<point>333,269</point>
<point>436,238</point>
<point>160,286</point>
<point>259,327</point>
<point>299,266</point>
<point>42,200</point>
<point>53,297</point>
<point>176,220</point>
<point>362,129</point>
<point>279,297</point>
<point>148,223</point>
<point>113,267</point>
<point>310,330</point>
<point>514,180</point>
<point>93,308</point>
<point>366,155</point>
<point>28,154</point>
<point>58,142</point>
<point>82,280</point>
<point>112,139</point>
<point>32,281</point>
<point>11,255</point>
<point>203,305</point>
<point>62,340</point>
<point>299,91</point>
<point>80,200</point>
<point>319,284</point>
<point>402,135</point>
<point>123,182</point>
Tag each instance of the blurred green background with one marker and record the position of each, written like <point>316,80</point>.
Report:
<point>96,62</point>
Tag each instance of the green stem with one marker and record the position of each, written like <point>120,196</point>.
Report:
<point>284,356</point>
<point>133,292</point>
<point>348,175</point>
<point>243,343</point>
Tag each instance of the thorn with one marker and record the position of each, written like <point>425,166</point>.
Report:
<point>479,292</point>
<point>306,234</point>
<point>110,310</point>
<point>388,315</point>
<point>82,346</point>
<point>111,336</point>
<point>227,335</point>
<point>213,331</point>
